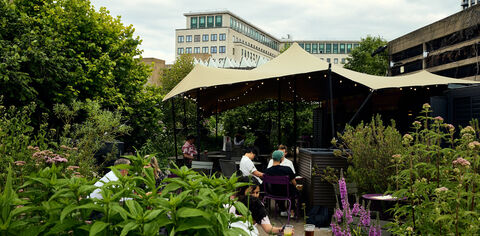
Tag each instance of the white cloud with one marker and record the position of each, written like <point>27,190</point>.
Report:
<point>155,21</point>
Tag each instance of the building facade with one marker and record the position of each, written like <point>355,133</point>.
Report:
<point>468,3</point>
<point>222,35</point>
<point>449,47</point>
<point>157,66</point>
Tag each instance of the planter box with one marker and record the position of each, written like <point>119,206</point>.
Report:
<point>318,192</point>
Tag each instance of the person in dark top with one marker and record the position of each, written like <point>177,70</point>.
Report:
<point>279,190</point>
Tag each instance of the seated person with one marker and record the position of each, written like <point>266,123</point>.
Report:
<point>285,161</point>
<point>279,190</point>
<point>238,140</point>
<point>248,195</point>
<point>110,176</point>
<point>246,164</point>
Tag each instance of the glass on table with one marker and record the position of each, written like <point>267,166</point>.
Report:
<point>309,229</point>
<point>288,230</point>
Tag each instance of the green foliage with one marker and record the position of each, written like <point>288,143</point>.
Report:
<point>369,148</point>
<point>54,201</point>
<point>438,174</point>
<point>361,59</point>
<point>172,76</point>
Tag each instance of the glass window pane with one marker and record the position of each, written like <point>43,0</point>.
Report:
<point>349,48</point>
<point>218,21</point>
<point>188,38</point>
<point>335,61</point>
<point>342,48</point>
<point>196,50</point>
<point>204,49</point>
<point>335,48</point>
<point>196,38</point>
<point>328,59</point>
<point>180,39</point>
<point>302,45</point>
<point>213,49</point>
<point>321,48</point>
<point>213,37</point>
<point>315,48</point>
<point>205,38</point>
<point>307,47</point>
<point>209,21</point>
<point>193,23</point>
<point>180,51</point>
<point>343,60</point>
<point>188,50</point>
<point>329,48</point>
<point>201,20</point>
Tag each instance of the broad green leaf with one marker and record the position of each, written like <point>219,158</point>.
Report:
<point>97,227</point>
<point>152,215</point>
<point>241,208</point>
<point>193,223</point>
<point>129,227</point>
<point>67,210</point>
<point>186,212</point>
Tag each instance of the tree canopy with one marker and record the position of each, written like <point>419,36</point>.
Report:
<point>58,51</point>
<point>361,59</point>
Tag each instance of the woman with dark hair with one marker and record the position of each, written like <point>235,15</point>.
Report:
<point>248,195</point>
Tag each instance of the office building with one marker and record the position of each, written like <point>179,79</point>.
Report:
<point>231,40</point>
<point>468,3</point>
<point>157,66</point>
<point>449,47</point>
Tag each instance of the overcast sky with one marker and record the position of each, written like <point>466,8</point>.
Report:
<point>155,21</point>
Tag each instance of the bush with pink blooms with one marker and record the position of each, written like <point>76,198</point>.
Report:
<point>438,174</point>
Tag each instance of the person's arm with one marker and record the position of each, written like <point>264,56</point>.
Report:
<point>187,156</point>
<point>294,182</point>
<point>257,173</point>
<point>269,229</point>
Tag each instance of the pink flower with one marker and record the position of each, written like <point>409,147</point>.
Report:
<point>461,161</point>
<point>426,106</point>
<point>20,163</point>
<point>417,124</point>
<point>438,118</point>
<point>450,127</point>
<point>441,189</point>
<point>473,145</point>
<point>72,167</point>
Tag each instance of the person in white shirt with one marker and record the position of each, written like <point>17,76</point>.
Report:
<point>246,164</point>
<point>285,161</point>
<point>109,177</point>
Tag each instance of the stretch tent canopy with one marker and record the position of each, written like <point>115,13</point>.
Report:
<point>220,89</point>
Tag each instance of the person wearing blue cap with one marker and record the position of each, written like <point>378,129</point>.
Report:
<point>279,170</point>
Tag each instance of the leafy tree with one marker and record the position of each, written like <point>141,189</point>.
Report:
<point>59,51</point>
<point>172,76</point>
<point>361,59</point>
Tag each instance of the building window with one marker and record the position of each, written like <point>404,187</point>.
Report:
<point>328,60</point>
<point>302,45</point>
<point>342,48</point>
<point>201,21</point>
<point>180,39</point>
<point>213,49</point>
<point>222,37</point>
<point>221,49</point>
<point>356,45</point>
<point>335,61</point>
<point>205,38</point>
<point>218,21</point>
<point>321,48</point>
<point>193,22</point>
<point>196,50</point>
<point>213,37</point>
<point>204,49</point>
<point>188,38</point>
<point>349,48</point>
<point>335,48</point>
<point>315,48</point>
<point>188,50</point>
<point>307,47</point>
<point>180,51</point>
<point>196,38</point>
<point>209,21</point>
<point>329,49</point>
<point>233,51</point>
<point>343,60</point>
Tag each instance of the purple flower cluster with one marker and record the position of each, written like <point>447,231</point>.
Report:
<point>343,218</point>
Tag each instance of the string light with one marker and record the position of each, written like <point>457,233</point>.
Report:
<point>401,89</point>
<point>341,81</point>
<point>309,77</point>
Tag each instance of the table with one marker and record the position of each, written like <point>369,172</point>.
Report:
<point>216,156</point>
<point>382,197</point>
<point>381,203</point>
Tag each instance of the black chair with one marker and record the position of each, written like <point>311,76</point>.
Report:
<point>227,167</point>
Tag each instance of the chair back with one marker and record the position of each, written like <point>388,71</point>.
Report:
<point>268,181</point>
<point>203,165</point>
<point>228,167</point>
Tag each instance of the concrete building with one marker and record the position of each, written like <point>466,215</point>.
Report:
<point>224,35</point>
<point>468,3</point>
<point>449,47</point>
<point>157,67</point>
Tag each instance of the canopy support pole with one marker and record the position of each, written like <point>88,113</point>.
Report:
<point>216,123</point>
<point>174,129</point>
<point>295,135</point>
<point>198,139</point>
<point>332,121</point>
<point>185,128</point>
<point>360,108</point>
<point>279,108</point>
